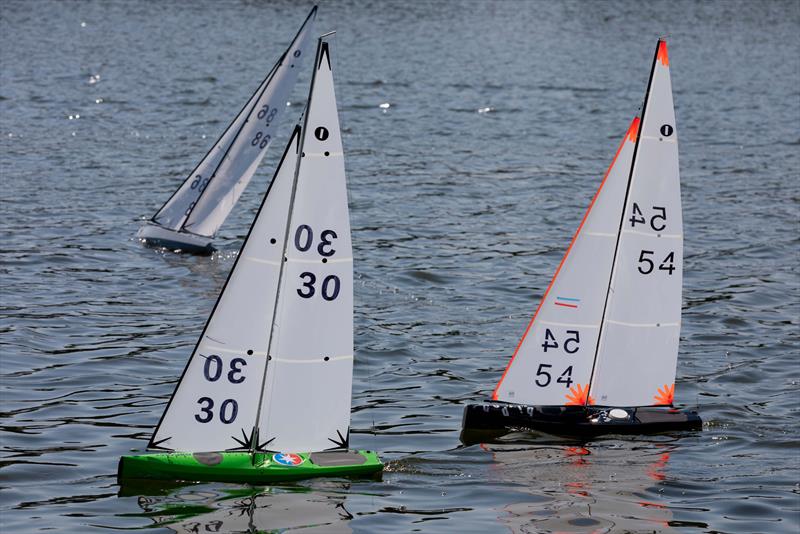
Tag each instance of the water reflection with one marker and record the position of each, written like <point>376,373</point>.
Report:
<point>212,508</point>
<point>594,487</point>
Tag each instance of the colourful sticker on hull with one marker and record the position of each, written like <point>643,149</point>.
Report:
<point>288,459</point>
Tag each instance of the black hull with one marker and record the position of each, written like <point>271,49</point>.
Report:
<point>495,419</point>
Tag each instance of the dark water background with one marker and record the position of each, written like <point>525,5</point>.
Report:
<point>460,214</point>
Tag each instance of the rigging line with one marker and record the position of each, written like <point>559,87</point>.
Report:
<point>286,233</point>
<point>622,219</point>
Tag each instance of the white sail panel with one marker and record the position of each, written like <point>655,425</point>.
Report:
<point>215,404</point>
<point>208,194</point>
<point>309,377</point>
<point>553,362</point>
<point>177,208</point>
<point>239,165</point>
<point>638,351</point>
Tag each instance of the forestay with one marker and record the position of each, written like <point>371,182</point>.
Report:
<point>553,362</point>
<point>215,404</point>
<point>306,404</point>
<point>638,349</point>
<point>208,194</point>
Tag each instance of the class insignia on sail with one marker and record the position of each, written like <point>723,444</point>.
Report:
<point>191,217</point>
<point>272,371</point>
<point>600,353</point>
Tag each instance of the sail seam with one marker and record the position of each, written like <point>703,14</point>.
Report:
<point>600,234</point>
<point>330,260</point>
<point>268,262</point>
<point>642,325</point>
<point>651,234</point>
<point>583,325</point>
<point>313,360</point>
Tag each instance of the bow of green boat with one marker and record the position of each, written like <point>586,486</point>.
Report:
<point>247,467</point>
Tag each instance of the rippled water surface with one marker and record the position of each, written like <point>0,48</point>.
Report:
<point>464,192</point>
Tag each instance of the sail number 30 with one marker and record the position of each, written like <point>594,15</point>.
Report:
<point>229,408</point>
<point>331,285</point>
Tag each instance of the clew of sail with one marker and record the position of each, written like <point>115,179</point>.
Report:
<point>307,391</point>
<point>638,349</point>
<point>208,194</point>
<point>214,406</point>
<point>553,361</point>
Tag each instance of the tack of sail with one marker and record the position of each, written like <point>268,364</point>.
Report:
<point>209,193</point>
<point>273,367</point>
<point>606,331</point>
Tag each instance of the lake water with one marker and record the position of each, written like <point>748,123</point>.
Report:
<point>464,193</point>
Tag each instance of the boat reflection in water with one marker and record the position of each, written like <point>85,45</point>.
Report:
<point>211,508</point>
<point>597,487</point>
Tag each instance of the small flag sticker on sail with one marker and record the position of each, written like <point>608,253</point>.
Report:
<point>567,302</point>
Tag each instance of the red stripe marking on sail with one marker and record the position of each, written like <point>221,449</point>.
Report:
<point>663,57</point>
<point>633,127</point>
<point>566,305</point>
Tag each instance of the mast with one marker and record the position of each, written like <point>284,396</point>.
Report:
<point>622,217</point>
<point>321,46</point>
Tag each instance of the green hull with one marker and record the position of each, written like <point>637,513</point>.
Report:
<point>247,467</point>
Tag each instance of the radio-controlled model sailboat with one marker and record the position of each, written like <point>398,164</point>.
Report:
<point>190,219</point>
<point>600,354</point>
<point>266,393</point>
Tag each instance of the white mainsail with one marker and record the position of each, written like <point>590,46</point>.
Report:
<point>273,367</point>
<point>610,320</point>
<point>215,404</point>
<point>638,350</point>
<point>553,362</point>
<point>307,391</point>
<point>208,194</point>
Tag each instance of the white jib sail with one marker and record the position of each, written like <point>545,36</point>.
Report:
<point>215,404</point>
<point>307,394</point>
<point>638,351</point>
<point>208,195</point>
<point>553,362</point>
